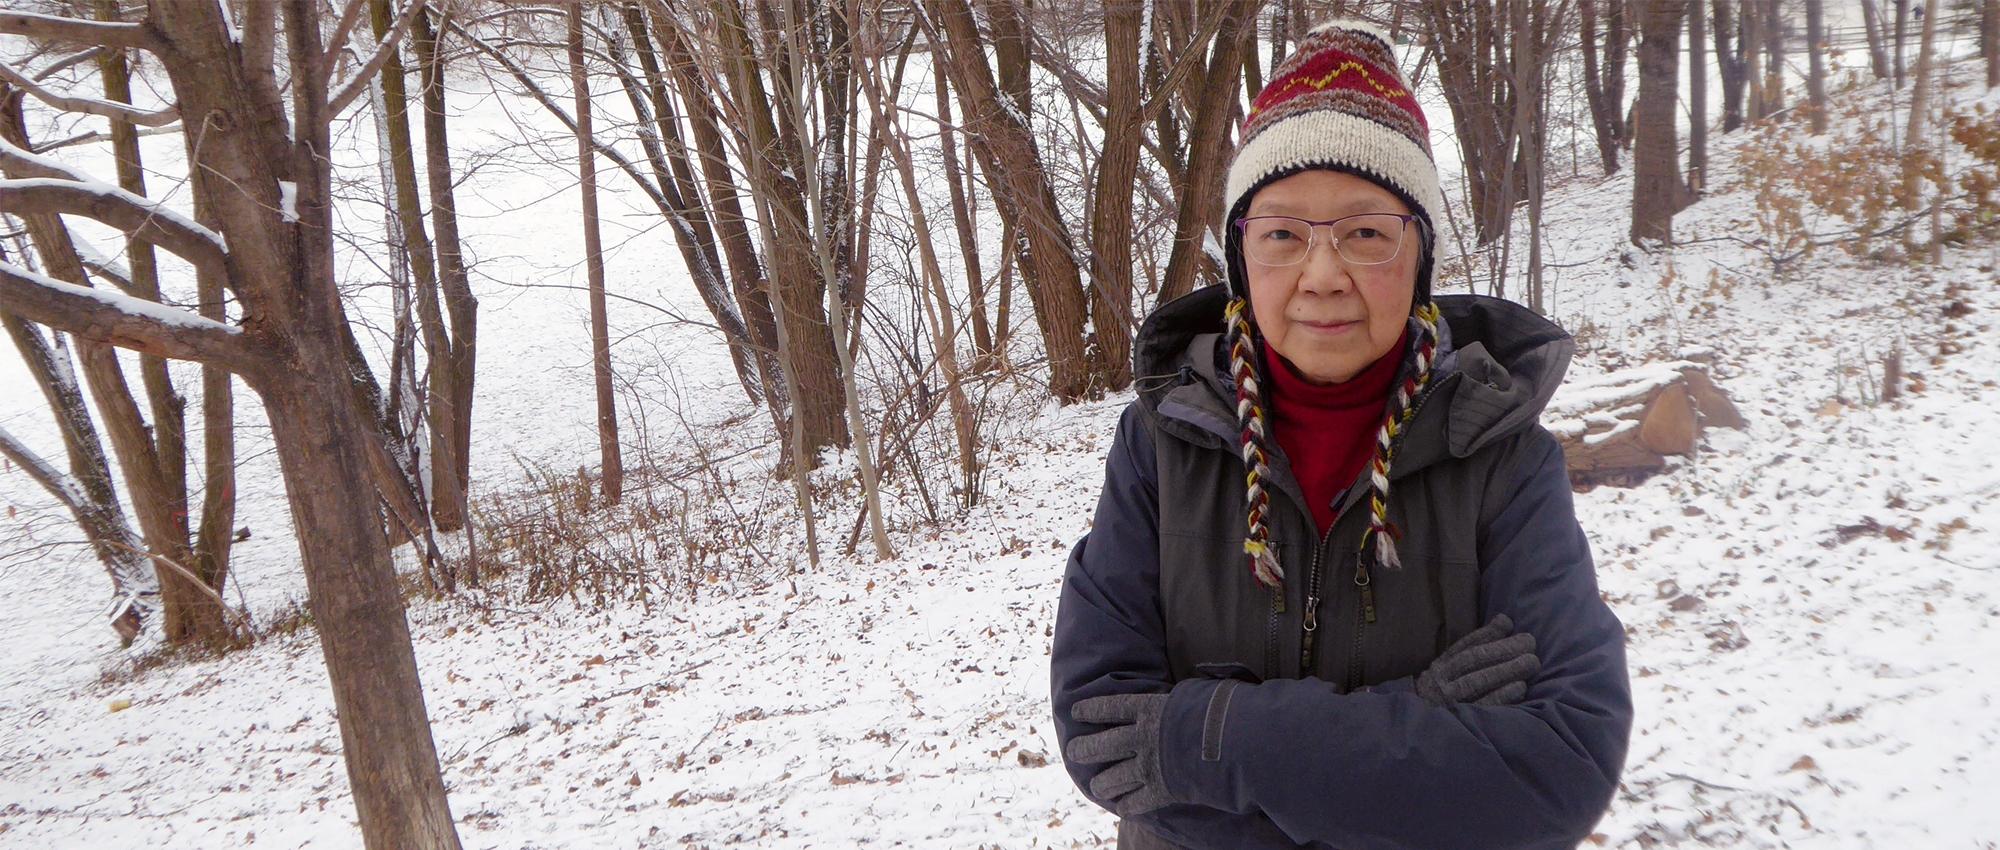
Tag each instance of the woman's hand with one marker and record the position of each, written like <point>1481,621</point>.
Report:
<point>1133,783</point>
<point>1490,666</point>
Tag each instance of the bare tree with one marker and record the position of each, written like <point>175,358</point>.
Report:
<point>446,498</point>
<point>86,491</point>
<point>936,305</point>
<point>1657,190</point>
<point>1697,100</point>
<point>611,484</point>
<point>1878,51</point>
<point>1007,152</point>
<point>1989,40</point>
<point>1731,63</point>
<point>963,211</point>
<point>1210,143</point>
<point>1816,78</point>
<point>261,171</point>
<point>1604,78</point>
<point>1920,94</point>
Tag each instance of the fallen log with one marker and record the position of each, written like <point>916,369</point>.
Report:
<point>1620,427</point>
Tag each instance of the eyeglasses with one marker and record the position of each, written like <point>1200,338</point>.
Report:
<point>1369,239</point>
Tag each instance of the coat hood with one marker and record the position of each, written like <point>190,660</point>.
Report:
<point>1498,364</point>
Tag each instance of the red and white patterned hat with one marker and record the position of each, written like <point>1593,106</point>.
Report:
<point>1339,102</point>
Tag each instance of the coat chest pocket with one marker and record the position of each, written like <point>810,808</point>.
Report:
<point>1421,608</point>
<point>1216,615</point>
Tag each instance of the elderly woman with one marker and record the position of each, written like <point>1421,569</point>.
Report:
<point>1335,594</point>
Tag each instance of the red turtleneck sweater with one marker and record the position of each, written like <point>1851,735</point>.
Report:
<point>1328,430</point>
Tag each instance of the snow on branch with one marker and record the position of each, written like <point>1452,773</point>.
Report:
<point>89,105</point>
<point>144,326</point>
<point>143,219</point>
<point>58,28</point>
<point>95,136</point>
<point>357,84</point>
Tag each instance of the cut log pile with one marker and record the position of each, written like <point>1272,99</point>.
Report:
<point>1619,428</point>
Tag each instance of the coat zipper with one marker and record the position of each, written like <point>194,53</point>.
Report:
<point>1365,599</point>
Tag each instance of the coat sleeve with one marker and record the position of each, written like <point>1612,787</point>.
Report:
<point>1110,637</point>
<point>1377,770</point>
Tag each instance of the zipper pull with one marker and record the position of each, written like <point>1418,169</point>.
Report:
<point>1306,639</point>
<point>1367,585</point>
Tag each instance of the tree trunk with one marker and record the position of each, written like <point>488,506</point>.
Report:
<point>1006,149</point>
<point>1751,43</point>
<point>1915,152</point>
<point>1878,51</point>
<point>1816,78</point>
<point>746,274</point>
<point>829,203</point>
<point>1901,36</point>
<point>962,211</point>
<point>168,407</point>
<point>1604,82</point>
<point>1989,40</point>
<point>612,482</point>
<point>1656,184</point>
<point>260,172</point>
<point>1729,63</point>
<point>1111,202</point>
<point>1774,58</point>
<point>190,613</point>
<point>459,303</point>
<point>1201,198</point>
<point>1697,101</point>
<point>87,491</point>
<point>660,136</point>
<point>818,402</point>
<point>445,498</point>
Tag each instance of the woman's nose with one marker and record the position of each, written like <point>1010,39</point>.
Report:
<point>1322,270</point>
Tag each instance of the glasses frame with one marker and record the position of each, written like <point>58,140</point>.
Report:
<point>1312,236</point>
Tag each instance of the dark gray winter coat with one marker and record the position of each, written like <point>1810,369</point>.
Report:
<point>1286,736</point>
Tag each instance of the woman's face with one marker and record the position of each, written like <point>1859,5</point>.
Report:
<point>1329,317</point>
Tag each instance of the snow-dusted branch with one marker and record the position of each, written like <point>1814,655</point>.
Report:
<point>337,42</point>
<point>143,219</point>
<point>121,320</point>
<point>133,583</point>
<point>45,185</point>
<point>52,68</point>
<point>58,28</point>
<point>89,105</point>
<point>357,84</point>
<point>96,136</point>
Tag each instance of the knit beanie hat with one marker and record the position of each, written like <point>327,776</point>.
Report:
<point>1338,103</point>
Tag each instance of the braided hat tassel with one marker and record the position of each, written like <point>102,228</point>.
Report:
<point>1263,560</point>
<point>1383,534</point>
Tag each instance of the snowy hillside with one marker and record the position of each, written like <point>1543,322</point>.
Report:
<point>1810,602</point>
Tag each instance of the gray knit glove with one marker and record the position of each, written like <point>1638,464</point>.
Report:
<point>1133,783</point>
<point>1486,667</point>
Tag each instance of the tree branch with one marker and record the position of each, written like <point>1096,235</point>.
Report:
<point>143,326</point>
<point>144,220</point>
<point>89,105</point>
<point>359,82</point>
<point>57,28</point>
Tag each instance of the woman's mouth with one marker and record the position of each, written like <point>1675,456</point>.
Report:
<point>1331,326</point>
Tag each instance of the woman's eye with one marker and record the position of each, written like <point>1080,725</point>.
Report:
<point>1281,235</point>
<point>1365,233</point>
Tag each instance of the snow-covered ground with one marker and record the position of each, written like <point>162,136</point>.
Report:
<point>1810,602</point>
